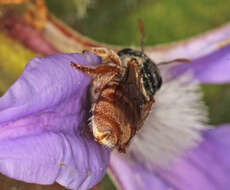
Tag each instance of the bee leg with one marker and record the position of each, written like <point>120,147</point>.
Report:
<point>91,71</point>
<point>173,61</point>
<point>122,148</point>
<point>95,71</point>
<point>107,55</point>
<point>106,134</point>
<point>146,109</point>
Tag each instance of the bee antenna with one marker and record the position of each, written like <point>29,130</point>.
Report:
<point>141,27</point>
<point>173,61</point>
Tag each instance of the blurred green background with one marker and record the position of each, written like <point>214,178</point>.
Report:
<point>115,22</point>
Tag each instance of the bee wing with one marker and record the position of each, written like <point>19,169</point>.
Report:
<point>173,125</point>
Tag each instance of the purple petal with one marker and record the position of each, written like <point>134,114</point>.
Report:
<point>41,120</point>
<point>213,68</point>
<point>128,175</point>
<point>204,167</point>
<point>193,48</point>
<point>73,161</point>
<point>209,53</point>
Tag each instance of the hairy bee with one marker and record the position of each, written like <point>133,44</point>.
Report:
<point>122,93</point>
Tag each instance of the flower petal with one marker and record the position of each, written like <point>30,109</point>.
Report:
<point>42,117</point>
<point>73,161</point>
<point>193,48</point>
<point>213,68</point>
<point>45,82</point>
<point>128,175</point>
<point>204,167</point>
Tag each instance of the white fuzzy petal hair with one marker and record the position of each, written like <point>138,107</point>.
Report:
<point>174,124</point>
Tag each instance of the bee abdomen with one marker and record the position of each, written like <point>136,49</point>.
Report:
<point>112,117</point>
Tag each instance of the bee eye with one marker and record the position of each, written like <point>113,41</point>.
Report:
<point>151,78</point>
<point>148,72</point>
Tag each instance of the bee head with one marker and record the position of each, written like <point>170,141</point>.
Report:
<point>148,73</point>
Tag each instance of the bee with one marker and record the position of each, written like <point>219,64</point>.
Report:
<point>122,94</point>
